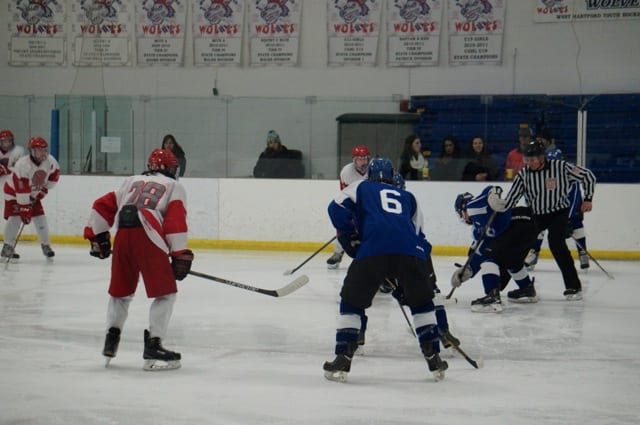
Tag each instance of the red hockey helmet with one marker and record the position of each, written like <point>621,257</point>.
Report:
<point>6,134</point>
<point>163,161</point>
<point>38,149</point>
<point>360,150</point>
<point>6,140</point>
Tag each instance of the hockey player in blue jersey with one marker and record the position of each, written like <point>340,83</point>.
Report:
<point>379,226</point>
<point>504,246</point>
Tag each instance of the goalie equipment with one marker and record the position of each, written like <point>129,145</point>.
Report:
<point>181,263</point>
<point>100,245</point>
<point>163,161</point>
<point>156,357</point>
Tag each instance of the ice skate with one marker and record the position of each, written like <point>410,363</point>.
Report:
<point>572,294</point>
<point>156,357</point>
<point>584,260</point>
<point>531,259</point>
<point>523,295</point>
<point>361,339</point>
<point>437,366</point>
<point>490,303</point>
<point>338,369</point>
<point>334,261</point>
<point>111,342</point>
<point>47,251</point>
<point>8,253</point>
<point>447,340</point>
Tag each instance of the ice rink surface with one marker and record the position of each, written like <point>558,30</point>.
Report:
<point>248,358</point>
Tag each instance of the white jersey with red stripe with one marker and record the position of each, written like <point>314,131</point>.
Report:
<point>28,179</point>
<point>8,160</point>
<point>160,201</point>
<point>350,175</point>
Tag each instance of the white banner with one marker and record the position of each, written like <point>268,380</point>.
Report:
<point>37,34</point>
<point>585,10</point>
<point>476,29</point>
<point>101,32</point>
<point>217,31</point>
<point>274,31</point>
<point>160,26</point>
<point>353,28</point>
<point>413,32</point>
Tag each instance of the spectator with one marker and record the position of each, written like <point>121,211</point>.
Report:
<point>482,166</point>
<point>413,164</point>
<point>448,166</point>
<point>169,142</point>
<point>515,159</point>
<point>278,162</point>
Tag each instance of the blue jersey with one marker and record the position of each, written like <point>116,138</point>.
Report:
<point>387,219</point>
<point>479,213</point>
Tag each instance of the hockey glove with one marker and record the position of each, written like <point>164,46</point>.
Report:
<point>398,294</point>
<point>25,212</point>
<point>495,202</point>
<point>462,274</point>
<point>100,245</point>
<point>39,196</point>
<point>4,170</point>
<point>181,263</point>
<point>350,243</point>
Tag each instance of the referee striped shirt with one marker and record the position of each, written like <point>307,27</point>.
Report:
<point>547,190</point>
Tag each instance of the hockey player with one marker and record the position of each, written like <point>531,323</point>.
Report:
<point>150,215</point>
<point>379,226</point>
<point>576,223</point>
<point>502,243</point>
<point>352,172</point>
<point>9,154</point>
<point>31,179</point>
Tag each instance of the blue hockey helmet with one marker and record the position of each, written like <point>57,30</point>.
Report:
<point>554,154</point>
<point>461,202</point>
<point>380,169</point>
<point>398,180</point>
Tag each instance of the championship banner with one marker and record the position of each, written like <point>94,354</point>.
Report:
<point>585,10</point>
<point>101,32</point>
<point>37,32</point>
<point>160,31</point>
<point>476,28</point>
<point>353,28</point>
<point>217,31</point>
<point>413,32</point>
<point>274,31</point>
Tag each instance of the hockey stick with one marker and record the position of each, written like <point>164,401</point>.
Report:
<point>404,313</point>
<point>581,248</point>
<point>473,252</point>
<point>281,292</point>
<point>476,364</point>
<point>292,271</point>
<point>13,248</point>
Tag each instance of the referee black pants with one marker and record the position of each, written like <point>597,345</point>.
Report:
<point>556,223</point>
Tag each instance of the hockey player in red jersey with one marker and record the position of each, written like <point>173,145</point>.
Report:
<point>352,172</point>
<point>151,239</point>
<point>31,179</point>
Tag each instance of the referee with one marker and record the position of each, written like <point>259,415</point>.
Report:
<point>545,185</point>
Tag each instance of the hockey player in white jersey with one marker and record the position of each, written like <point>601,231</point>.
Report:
<point>30,181</point>
<point>9,155</point>
<point>352,172</point>
<point>379,226</point>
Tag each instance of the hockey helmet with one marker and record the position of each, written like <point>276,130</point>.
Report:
<point>38,149</point>
<point>360,151</point>
<point>398,180</point>
<point>554,154</point>
<point>380,169</point>
<point>461,202</point>
<point>6,136</point>
<point>534,148</point>
<point>163,161</point>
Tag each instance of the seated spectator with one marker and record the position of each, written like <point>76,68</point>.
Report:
<point>412,161</point>
<point>515,159</point>
<point>278,162</point>
<point>448,166</point>
<point>169,142</point>
<point>481,166</point>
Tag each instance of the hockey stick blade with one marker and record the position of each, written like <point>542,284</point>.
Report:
<point>476,364</point>
<point>292,286</point>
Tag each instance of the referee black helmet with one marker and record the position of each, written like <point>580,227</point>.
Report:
<point>534,148</point>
